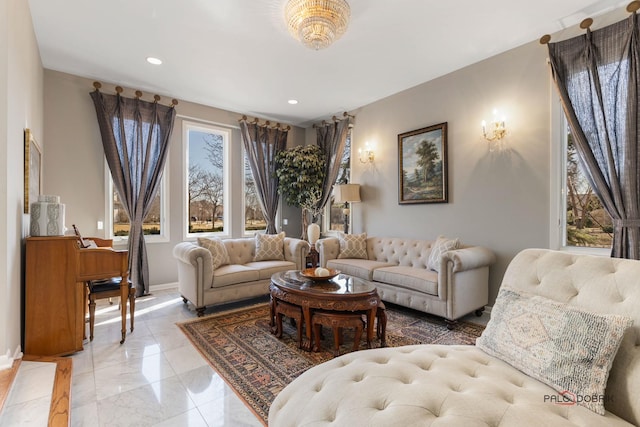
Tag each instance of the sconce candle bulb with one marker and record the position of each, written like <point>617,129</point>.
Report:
<point>367,155</point>
<point>497,130</point>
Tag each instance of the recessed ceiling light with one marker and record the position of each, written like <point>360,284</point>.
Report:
<point>154,61</point>
<point>293,101</point>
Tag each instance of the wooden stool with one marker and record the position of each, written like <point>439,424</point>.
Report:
<point>381,324</point>
<point>293,312</point>
<point>336,321</point>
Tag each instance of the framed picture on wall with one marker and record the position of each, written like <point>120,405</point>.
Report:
<point>32,170</point>
<point>422,168</point>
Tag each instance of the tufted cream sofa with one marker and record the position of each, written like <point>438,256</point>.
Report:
<point>439,385</point>
<point>398,269</point>
<point>242,278</point>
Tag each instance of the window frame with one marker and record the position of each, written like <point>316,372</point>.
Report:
<point>164,235</point>
<point>188,125</point>
<point>326,216</point>
<point>245,232</point>
<point>558,185</point>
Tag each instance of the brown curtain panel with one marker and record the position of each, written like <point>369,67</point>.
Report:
<point>331,138</point>
<point>135,138</point>
<point>261,144</point>
<point>597,76</point>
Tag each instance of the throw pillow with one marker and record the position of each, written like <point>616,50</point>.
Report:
<point>565,347</point>
<point>441,245</point>
<point>217,249</point>
<point>353,245</point>
<point>269,247</point>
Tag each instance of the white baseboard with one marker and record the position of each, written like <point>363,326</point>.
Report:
<point>6,360</point>
<point>163,286</point>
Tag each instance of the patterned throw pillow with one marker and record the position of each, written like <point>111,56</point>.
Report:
<point>441,246</point>
<point>217,249</point>
<point>269,247</point>
<point>353,245</point>
<point>565,347</point>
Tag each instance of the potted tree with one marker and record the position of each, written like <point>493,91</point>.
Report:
<point>300,172</point>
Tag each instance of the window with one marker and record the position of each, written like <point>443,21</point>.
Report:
<point>585,222</point>
<point>153,224</point>
<point>579,222</point>
<point>207,180</point>
<point>253,217</point>
<point>334,212</point>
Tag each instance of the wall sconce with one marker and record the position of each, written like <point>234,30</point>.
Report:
<point>367,155</point>
<point>497,129</point>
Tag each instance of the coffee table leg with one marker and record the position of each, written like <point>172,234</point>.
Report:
<point>306,315</point>
<point>272,312</point>
<point>371,318</point>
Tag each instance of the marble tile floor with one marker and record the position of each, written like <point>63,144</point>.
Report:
<point>156,378</point>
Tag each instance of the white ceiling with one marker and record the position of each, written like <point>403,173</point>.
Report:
<point>237,54</point>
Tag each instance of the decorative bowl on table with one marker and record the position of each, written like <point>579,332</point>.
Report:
<point>319,274</point>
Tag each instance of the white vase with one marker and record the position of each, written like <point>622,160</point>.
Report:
<point>47,216</point>
<point>313,233</point>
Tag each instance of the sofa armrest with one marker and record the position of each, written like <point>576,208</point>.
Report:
<point>328,249</point>
<point>195,271</point>
<point>190,253</point>
<point>469,258</point>
<point>296,250</point>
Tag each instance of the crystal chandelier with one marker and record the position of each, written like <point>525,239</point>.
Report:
<point>317,23</point>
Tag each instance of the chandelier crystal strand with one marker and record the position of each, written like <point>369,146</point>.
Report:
<point>317,23</point>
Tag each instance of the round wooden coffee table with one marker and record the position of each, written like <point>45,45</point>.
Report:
<point>341,294</point>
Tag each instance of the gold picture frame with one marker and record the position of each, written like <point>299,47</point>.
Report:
<point>422,165</point>
<point>32,170</point>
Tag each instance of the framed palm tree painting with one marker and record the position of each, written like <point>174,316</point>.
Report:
<point>422,165</point>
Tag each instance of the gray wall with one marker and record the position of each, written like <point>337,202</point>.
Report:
<point>496,199</point>
<point>20,108</point>
<point>75,169</point>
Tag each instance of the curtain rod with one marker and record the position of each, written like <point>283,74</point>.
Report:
<point>586,23</point>
<point>138,93</point>
<point>345,115</point>
<point>267,123</point>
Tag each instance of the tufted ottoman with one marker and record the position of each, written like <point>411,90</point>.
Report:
<point>423,385</point>
<point>440,385</point>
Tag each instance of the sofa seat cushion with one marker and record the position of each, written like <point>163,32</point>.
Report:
<point>417,279</point>
<point>426,385</point>
<point>232,274</point>
<point>266,269</point>
<point>360,268</point>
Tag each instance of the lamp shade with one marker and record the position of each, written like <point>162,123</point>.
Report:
<point>345,193</point>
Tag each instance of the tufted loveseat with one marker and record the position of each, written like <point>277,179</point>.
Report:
<point>241,276</point>
<point>457,284</point>
<point>440,385</point>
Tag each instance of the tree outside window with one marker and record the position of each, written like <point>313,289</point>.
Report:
<point>253,217</point>
<point>206,148</point>
<point>586,222</point>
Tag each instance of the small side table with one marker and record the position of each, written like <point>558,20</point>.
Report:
<point>313,258</point>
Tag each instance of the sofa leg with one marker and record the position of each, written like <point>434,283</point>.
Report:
<point>451,324</point>
<point>479,311</point>
<point>184,300</point>
<point>200,311</point>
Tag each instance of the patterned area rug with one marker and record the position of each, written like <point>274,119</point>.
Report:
<point>257,365</point>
